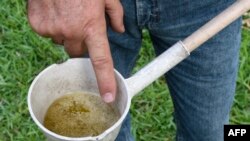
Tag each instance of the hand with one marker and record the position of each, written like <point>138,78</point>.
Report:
<point>80,25</point>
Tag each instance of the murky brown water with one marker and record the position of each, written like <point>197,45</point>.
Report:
<point>79,114</point>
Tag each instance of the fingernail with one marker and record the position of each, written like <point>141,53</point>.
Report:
<point>108,97</point>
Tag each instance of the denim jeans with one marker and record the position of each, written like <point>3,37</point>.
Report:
<point>202,87</point>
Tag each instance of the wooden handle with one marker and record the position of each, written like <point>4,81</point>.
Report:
<point>216,24</point>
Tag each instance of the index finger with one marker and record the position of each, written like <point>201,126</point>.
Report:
<point>101,59</point>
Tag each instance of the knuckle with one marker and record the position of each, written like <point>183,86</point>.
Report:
<point>116,13</point>
<point>100,62</point>
<point>33,22</point>
<point>39,29</point>
<point>67,34</point>
<point>38,25</point>
<point>90,31</point>
<point>70,32</point>
<point>94,32</point>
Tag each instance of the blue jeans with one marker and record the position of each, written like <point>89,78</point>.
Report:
<point>202,86</point>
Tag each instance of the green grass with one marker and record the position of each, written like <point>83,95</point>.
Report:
<point>241,110</point>
<point>23,54</point>
<point>152,110</point>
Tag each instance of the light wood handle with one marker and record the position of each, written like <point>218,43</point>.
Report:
<point>216,24</point>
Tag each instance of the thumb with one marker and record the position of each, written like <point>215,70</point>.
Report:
<point>115,12</point>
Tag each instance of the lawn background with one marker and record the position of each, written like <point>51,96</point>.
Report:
<point>23,54</point>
